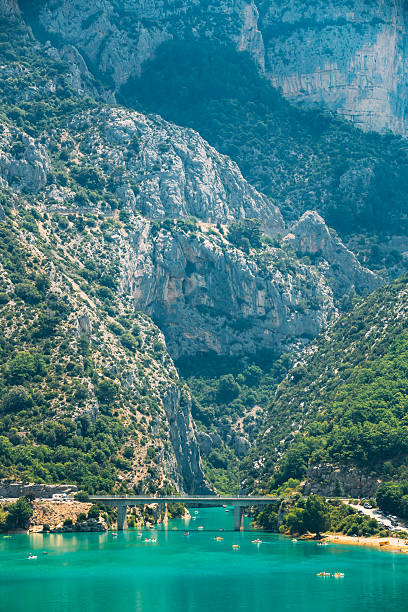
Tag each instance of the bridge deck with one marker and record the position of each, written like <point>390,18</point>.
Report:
<point>213,500</point>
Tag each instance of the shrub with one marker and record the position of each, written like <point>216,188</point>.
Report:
<point>25,366</point>
<point>16,399</point>
<point>81,496</point>
<point>94,512</point>
<point>28,293</point>
<point>228,389</point>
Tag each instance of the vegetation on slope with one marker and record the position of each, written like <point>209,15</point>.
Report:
<point>82,376</point>
<point>317,515</point>
<point>230,397</point>
<point>346,403</point>
<point>69,411</point>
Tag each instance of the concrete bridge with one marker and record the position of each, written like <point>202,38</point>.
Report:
<point>239,502</point>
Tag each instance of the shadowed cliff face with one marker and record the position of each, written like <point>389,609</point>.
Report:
<point>208,295</point>
<point>348,56</point>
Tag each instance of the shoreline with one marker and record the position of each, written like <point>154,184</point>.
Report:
<point>385,544</point>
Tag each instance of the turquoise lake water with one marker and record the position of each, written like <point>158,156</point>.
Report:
<point>100,572</point>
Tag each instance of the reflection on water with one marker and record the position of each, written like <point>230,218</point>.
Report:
<point>99,572</point>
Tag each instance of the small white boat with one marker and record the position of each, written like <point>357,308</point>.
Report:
<point>32,557</point>
<point>257,541</point>
<point>294,540</point>
<point>195,511</point>
<point>200,527</point>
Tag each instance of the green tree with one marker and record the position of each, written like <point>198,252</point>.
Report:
<point>19,514</point>
<point>106,391</point>
<point>316,515</point>
<point>295,520</point>
<point>389,495</point>
<point>24,366</point>
<point>228,389</point>
<point>28,293</point>
<point>94,512</point>
<point>16,399</point>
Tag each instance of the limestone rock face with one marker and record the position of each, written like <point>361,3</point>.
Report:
<point>183,439</point>
<point>311,236</point>
<point>170,171</point>
<point>333,480</point>
<point>348,56</point>
<point>10,9</point>
<point>43,491</point>
<point>208,441</point>
<point>208,295</point>
<point>24,163</point>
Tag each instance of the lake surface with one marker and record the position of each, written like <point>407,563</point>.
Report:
<point>100,572</point>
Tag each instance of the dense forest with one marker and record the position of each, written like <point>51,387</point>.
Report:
<point>344,403</point>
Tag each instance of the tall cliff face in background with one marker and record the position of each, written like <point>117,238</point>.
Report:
<point>350,57</point>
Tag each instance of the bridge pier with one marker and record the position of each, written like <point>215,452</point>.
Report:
<point>238,518</point>
<point>122,520</point>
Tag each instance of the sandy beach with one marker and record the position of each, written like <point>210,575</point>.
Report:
<point>387,544</point>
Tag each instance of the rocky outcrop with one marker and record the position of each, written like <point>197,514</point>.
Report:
<point>311,236</point>
<point>208,295</point>
<point>43,491</point>
<point>208,441</point>
<point>10,9</point>
<point>24,163</point>
<point>177,405</point>
<point>170,171</point>
<point>348,56</point>
<point>88,525</point>
<point>337,481</point>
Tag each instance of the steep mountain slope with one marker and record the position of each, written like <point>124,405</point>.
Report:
<point>344,405</point>
<point>210,293</point>
<point>350,57</point>
<point>122,217</point>
<point>207,286</point>
<point>130,227</point>
<point>302,159</point>
<point>89,393</point>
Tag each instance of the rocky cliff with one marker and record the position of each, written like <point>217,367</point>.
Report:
<point>348,56</point>
<point>206,294</point>
<point>311,236</point>
<point>161,170</point>
<point>209,295</point>
<point>334,480</point>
